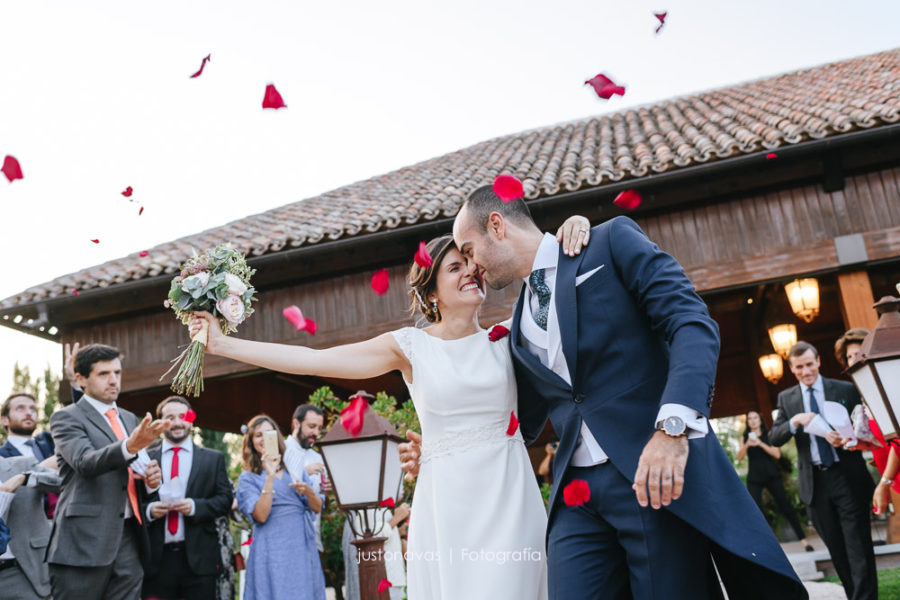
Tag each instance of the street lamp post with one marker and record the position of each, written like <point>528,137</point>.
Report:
<point>365,471</point>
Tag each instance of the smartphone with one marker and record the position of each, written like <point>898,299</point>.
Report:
<point>752,435</point>
<point>270,442</point>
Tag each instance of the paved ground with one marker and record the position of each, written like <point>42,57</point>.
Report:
<point>824,591</point>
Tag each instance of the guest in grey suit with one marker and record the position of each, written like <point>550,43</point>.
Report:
<point>23,572</point>
<point>98,538</point>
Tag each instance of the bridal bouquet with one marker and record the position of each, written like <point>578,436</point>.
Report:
<point>217,281</point>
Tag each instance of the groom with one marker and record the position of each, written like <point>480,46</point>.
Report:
<point>619,352</point>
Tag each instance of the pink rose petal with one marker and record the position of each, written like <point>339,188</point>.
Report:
<point>11,168</point>
<point>381,282</point>
<point>508,188</point>
<point>202,64</point>
<point>272,98</point>
<point>422,258</point>
<point>628,199</point>
<point>604,86</point>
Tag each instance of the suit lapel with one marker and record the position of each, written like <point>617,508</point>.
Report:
<point>96,419</point>
<point>519,350</point>
<point>10,450</point>
<point>567,309</point>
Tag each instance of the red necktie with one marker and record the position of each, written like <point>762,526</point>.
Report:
<point>132,490</point>
<point>172,517</point>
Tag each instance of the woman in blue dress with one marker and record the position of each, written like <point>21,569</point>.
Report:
<point>283,559</point>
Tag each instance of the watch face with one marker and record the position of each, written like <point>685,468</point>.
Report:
<point>674,426</point>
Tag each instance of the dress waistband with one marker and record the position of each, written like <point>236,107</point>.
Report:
<point>454,443</point>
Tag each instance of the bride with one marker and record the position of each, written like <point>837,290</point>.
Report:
<point>477,526</point>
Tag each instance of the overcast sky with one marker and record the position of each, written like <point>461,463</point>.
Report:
<point>96,96</point>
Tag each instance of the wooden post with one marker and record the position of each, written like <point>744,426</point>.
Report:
<point>856,308</point>
<point>370,558</point>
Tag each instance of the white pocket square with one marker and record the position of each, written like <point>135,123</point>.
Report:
<point>585,276</point>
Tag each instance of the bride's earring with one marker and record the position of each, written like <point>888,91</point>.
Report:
<point>434,306</point>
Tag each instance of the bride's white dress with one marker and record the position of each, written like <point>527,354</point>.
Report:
<point>478,523</point>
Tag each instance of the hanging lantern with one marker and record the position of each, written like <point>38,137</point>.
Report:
<point>783,337</point>
<point>772,367</point>
<point>803,294</point>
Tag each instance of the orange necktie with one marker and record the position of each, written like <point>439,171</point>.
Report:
<point>132,490</point>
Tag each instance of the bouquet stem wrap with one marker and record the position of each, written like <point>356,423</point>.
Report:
<point>218,281</point>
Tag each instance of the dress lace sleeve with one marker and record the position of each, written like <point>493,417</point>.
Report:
<point>404,340</point>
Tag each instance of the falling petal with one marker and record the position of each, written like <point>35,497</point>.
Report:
<point>248,542</point>
<point>352,415</point>
<point>628,199</point>
<point>96,241</point>
<point>128,191</point>
<point>383,585</point>
<point>189,416</point>
<point>74,291</point>
<point>662,20</point>
<point>380,282</point>
<point>143,253</point>
<point>272,98</point>
<point>422,258</point>
<point>11,168</point>
<point>497,332</point>
<point>294,317</point>
<point>604,86</point>
<point>508,188</point>
<point>140,212</point>
<point>311,327</point>
<point>389,502</point>
<point>771,155</point>
<point>202,64</point>
<point>576,493</point>
<point>513,424</point>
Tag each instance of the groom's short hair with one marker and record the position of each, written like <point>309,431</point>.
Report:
<point>483,201</point>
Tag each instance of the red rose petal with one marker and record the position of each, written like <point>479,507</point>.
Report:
<point>422,258</point>
<point>628,199</point>
<point>202,64</point>
<point>497,332</point>
<point>311,326</point>
<point>128,191</point>
<point>143,253</point>
<point>576,493</point>
<point>294,317</point>
<point>383,585</point>
<point>662,20</point>
<point>74,291</point>
<point>604,86</point>
<point>189,416</point>
<point>248,542</point>
<point>273,98</point>
<point>380,282</point>
<point>352,416</point>
<point>389,502</point>
<point>771,155</point>
<point>508,188</point>
<point>96,241</point>
<point>513,424</point>
<point>11,168</point>
<point>140,212</point>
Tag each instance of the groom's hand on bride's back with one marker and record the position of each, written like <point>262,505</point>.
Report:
<point>409,455</point>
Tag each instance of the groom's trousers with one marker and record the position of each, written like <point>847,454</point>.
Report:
<point>612,548</point>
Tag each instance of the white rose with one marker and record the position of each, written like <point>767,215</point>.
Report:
<point>235,285</point>
<point>202,277</point>
<point>232,308</point>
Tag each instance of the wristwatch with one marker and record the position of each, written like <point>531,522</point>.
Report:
<point>672,426</point>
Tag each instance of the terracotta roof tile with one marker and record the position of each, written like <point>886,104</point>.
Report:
<point>713,125</point>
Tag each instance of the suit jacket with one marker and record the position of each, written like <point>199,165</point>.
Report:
<point>635,336</point>
<point>210,488</point>
<point>27,521</point>
<point>87,527</point>
<point>43,442</point>
<point>790,402</point>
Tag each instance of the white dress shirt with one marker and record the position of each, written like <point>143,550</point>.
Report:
<point>20,443</point>
<point>185,461</point>
<point>547,347</point>
<point>819,390</point>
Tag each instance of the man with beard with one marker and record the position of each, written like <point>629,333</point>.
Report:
<point>306,427</point>
<point>184,545</point>
<point>18,414</point>
<point>98,537</point>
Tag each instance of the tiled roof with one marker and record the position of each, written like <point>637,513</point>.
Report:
<point>762,115</point>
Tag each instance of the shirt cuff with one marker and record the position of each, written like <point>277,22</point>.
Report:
<point>792,427</point>
<point>697,424</point>
<point>128,455</point>
<point>6,499</point>
<point>193,507</point>
<point>149,516</point>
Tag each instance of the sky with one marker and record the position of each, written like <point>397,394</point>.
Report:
<point>97,96</point>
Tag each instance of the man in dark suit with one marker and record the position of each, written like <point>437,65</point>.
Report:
<point>184,545</point>
<point>834,483</point>
<point>98,536</point>
<point>618,351</point>
<point>18,414</point>
<point>23,572</point>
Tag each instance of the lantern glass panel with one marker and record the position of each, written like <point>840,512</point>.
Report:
<point>889,372</point>
<point>865,382</point>
<point>355,468</point>
<point>393,476</point>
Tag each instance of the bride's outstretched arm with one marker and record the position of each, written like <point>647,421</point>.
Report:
<point>361,360</point>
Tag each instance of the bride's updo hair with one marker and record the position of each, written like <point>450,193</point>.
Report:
<point>423,281</point>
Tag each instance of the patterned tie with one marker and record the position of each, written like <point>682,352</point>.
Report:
<point>132,490</point>
<point>543,293</point>
<point>826,453</point>
<point>172,517</point>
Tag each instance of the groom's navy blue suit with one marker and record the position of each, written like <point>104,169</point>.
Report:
<point>635,336</point>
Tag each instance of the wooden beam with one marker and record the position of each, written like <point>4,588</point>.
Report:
<point>857,300</point>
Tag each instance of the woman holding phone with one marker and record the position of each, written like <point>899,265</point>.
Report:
<point>283,559</point>
<point>763,472</point>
